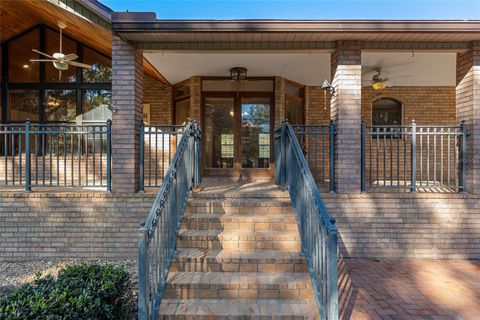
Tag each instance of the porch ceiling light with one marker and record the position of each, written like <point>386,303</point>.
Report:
<point>379,85</point>
<point>238,73</point>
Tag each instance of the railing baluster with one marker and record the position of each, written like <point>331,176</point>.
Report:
<point>28,181</point>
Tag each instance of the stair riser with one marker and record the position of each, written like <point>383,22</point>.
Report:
<point>213,266</point>
<point>254,244</point>
<point>215,224</point>
<point>235,317</point>
<point>237,209</point>
<point>190,293</point>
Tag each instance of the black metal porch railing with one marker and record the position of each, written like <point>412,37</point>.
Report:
<point>157,147</point>
<point>318,146</point>
<point>159,232</point>
<point>55,155</point>
<point>414,158</point>
<point>317,230</point>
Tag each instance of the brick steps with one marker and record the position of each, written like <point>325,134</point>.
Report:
<point>232,285</point>
<point>240,221</point>
<point>242,239</point>
<point>216,260</point>
<point>238,256</point>
<point>238,309</point>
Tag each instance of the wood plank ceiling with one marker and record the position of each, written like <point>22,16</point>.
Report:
<point>17,16</point>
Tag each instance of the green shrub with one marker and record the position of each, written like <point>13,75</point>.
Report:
<point>80,291</point>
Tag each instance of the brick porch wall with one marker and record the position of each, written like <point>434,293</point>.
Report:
<point>159,96</point>
<point>438,226</point>
<point>89,225</point>
<point>104,226</point>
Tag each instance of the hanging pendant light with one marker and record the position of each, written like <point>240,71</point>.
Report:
<point>238,73</point>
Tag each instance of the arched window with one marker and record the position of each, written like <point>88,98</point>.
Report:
<point>386,111</point>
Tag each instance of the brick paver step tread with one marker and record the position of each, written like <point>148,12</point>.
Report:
<point>238,235</point>
<point>239,280</point>
<point>242,217</point>
<point>238,308</point>
<point>245,255</point>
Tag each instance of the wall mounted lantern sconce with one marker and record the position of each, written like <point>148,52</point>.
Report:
<point>327,86</point>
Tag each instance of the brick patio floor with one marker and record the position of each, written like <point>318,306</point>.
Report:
<point>391,289</point>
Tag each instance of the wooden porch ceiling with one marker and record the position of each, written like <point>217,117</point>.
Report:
<point>19,16</point>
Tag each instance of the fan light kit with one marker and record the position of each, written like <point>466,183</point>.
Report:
<point>60,60</point>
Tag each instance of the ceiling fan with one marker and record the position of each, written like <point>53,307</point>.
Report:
<point>60,60</point>
<point>379,80</point>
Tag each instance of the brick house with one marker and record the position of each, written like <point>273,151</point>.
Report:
<point>394,195</point>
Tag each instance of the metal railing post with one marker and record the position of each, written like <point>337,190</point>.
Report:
<point>363,154</point>
<point>332,277</point>
<point>283,153</point>
<point>413,158</point>
<point>331,133</point>
<point>141,187</point>
<point>464,156</point>
<point>28,180</point>
<point>198,155</point>
<point>109,155</point>
<point>143,285</point>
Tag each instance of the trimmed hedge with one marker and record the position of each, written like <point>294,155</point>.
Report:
<point>80,291</point>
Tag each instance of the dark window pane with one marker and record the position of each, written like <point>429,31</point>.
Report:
<point>101,71</point>
<point>219,129</point>
<point>20,52</point>
<point>23,104</point>
<point>386,112</point>
<point>294,111</point>
<point>52,45</point>
<point>182,111</point>
<point>96,105</point>
<point>60,105</point>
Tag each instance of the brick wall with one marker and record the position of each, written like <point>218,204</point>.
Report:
<point>195,97</point>
<point>104,226</point>
<point>468,109</point>
<point>439,226</point>
<point>279,101</point>
<point>127,98</point>
<point>425,105</point>
<point>346,113</point>
<point>90,225</point>
<point>159,96</point>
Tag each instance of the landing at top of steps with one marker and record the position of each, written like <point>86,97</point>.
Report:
<point>234,188</point>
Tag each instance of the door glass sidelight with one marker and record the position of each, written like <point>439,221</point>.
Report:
<point>255,132</point>
<point>219,132</point>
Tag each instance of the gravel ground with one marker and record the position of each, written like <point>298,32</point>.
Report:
<point>14,274</point>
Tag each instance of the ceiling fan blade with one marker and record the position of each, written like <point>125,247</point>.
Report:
<point>43,54</point>
<point>69,57</point>
<point>42,60</point>
<point>78,64</point>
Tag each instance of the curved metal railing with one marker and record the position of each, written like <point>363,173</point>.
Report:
<point>317,230</point>
<point>159,232</point>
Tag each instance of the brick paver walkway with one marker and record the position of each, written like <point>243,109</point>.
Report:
<point>390,289</point>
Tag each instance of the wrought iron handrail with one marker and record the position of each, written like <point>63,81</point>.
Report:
<point>55,155</point>
<point>317,230</point>
<point>413,157</point>
<point>157,235</point>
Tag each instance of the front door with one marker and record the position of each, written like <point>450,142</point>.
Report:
<point>237,134</point>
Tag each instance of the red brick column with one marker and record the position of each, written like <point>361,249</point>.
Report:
<point>346,114</point>
<point>468,109</point>
<point>279,101</point>
<point>127,96</point>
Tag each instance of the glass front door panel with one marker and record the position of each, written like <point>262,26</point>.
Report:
<point>219,132</point>
<point>255,132</point>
